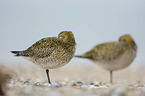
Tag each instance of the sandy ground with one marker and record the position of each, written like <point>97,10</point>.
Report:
<point>77,80</point>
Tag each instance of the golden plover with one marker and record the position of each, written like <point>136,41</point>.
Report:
<point>113,55</point>
<point>51,52</point>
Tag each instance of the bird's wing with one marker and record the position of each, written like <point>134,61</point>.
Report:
<point>42,48</point>
<point>106,51</point>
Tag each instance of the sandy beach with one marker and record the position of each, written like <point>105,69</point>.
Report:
<point>30,80</point>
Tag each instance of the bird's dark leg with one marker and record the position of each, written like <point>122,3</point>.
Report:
<point>47,72</point>
<point>111,81</point>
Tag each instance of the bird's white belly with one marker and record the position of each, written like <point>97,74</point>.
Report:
<point>47,63</point>
<point>125,60</point>
<point>51,63</point>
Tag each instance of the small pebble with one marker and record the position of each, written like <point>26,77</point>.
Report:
<point>74,84</point>
<point>37,84</point>
<point>97,84</point>
<point>54,84</point>
<point>84,86</point>
<point>91,83</point>
<point>79,82</point>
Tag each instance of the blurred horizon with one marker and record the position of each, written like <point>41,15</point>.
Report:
<point>92,22</point>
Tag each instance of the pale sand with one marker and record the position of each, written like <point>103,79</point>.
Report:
<point>74,80</point>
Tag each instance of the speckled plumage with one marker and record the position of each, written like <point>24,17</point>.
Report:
<point>113,55</point>
<point>51,52</point>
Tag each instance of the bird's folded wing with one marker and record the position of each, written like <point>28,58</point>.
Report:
<point>106,51</point>
<point>42,48</point>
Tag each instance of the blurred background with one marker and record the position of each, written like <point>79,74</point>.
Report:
<point>23,22</point>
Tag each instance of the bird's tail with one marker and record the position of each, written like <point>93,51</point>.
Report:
<point>17,53</point>
<point>79,56</point>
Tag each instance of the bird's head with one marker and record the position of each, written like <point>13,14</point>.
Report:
<point>128,39</point>
<point>66,36</point>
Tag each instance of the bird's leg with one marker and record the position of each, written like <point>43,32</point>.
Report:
<point>47,72</point>
<point>111,81</point>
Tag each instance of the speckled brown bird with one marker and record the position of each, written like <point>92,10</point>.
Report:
<point>51,52</point>
<point>113,55</point>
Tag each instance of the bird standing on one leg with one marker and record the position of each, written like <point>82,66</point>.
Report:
<point>113,55</point>
<point>51,52</point>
